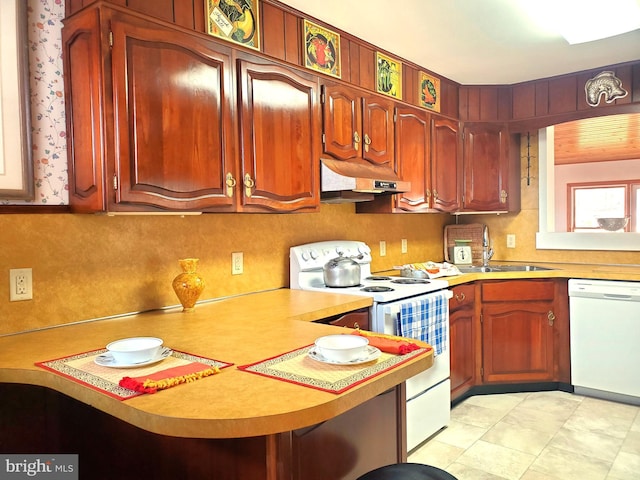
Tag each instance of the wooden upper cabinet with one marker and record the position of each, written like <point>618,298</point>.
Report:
<point>152,121</point>
<point>279,113</point>
<point>445,164</point>
<point>413,158</point>
<point>357,125</point>
<point>486,168</point>
<point>173,125</point>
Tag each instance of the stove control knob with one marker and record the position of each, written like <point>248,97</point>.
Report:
<point>305,256</point>
<point>314,254</point>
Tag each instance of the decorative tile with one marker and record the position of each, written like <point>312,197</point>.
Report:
<point>460,434</point>
<point>631,443</point>
<point>585,421</point>
<point>473,415</point>
<point>564,465</point>
<point>503,402</point>
<point>525,440</point>
<point>465,472</point>
<point>603,447</point>
<point>436,453</point>
<point>497,460</point>
<point>599,407</point>
<point>625,467</point>
<point>538,420</point>
<point>557,403</point>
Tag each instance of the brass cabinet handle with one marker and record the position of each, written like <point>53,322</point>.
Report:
<point>248,185</point>
<point>435,195</point>
<point>503,196</point>
<point>551,316</point>
<point>460,297</point>
<point>356,140</point>
<point>231,183</point>
<point>367,142</point>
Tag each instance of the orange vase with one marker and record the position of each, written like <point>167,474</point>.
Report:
<point>188,285</point>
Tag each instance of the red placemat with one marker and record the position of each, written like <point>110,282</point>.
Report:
<point>298,367</point>
<point>82,368</point>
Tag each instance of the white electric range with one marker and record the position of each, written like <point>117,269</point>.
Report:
<point>428,393</point>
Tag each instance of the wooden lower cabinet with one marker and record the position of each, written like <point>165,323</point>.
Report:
<point>462,339</point>
<point>509,332</point>
<point>518,331</point>
<point>36,420</point>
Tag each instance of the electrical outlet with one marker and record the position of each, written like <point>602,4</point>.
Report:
<point>403,246</point>
<point>237,263</point>
<point>511,240</point>
<point>383,248</point>
<point>20,284</point>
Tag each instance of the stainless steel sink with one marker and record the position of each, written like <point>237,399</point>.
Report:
<point>501,268</point>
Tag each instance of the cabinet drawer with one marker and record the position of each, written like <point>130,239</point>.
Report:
<point>517,290</point>
<point>356,319</point>
<point>463,296</point>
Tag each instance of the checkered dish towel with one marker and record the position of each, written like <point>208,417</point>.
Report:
<point>425,319</point>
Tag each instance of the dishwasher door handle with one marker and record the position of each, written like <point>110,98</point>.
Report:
<point>613,296</point>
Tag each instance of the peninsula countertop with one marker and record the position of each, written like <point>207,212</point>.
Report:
<point>231,404</point>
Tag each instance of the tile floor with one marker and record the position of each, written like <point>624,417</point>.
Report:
<point>537,436</point>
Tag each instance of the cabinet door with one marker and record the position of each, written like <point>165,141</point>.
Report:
<point>462,339</point>
<point>85,102</point>
<point>173,125</point>
<point>342,122</point>
<point>444,165</point>
<point>486,168</point>
<point>413,135</point>
<point>518,341</point>
<point>377,125</point>
<point>280,136</point>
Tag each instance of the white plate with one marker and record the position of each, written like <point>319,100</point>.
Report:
<point>372,354</point>
<point>107,360</point>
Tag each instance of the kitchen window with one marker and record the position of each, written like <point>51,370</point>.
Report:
<point>590,201</point>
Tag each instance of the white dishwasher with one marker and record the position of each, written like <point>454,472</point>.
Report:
<point>605,339</point>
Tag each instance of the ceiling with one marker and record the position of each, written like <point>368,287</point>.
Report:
<point>472,42</point>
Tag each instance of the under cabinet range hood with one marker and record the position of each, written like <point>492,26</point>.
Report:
<point>357,181</point>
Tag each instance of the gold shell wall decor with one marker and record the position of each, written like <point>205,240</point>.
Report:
<point>605,83</point>
<point>235,20</point>
<point>388,76</point>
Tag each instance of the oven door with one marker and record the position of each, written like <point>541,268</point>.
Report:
<point>429,392</point>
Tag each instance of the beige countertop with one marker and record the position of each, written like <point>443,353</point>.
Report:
<point>230,404</point>
<point>557,270</point>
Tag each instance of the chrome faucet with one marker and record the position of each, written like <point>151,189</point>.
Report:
<point>487,251</point>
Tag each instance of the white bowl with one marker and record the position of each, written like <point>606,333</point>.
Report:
<point>342,348</point>
<point>135,350</point>
<point>613,224</point>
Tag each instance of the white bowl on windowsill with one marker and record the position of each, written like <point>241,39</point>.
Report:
<point>613,224</point>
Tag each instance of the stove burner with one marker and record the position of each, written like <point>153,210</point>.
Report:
<point>377,289</point>
<point>411,281</point>
<point>376,278</point>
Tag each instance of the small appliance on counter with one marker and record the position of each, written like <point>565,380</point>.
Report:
<point>428,393</point>
<point>463,244</point>
<point>461,252</point>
